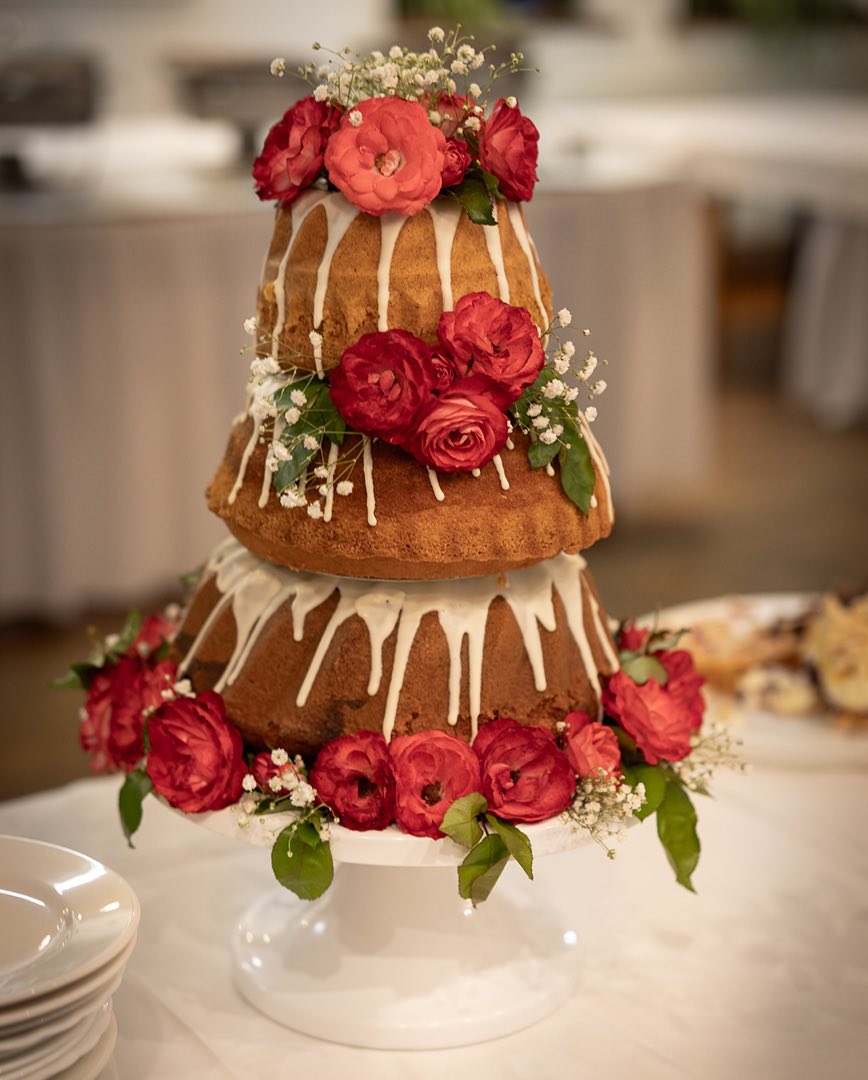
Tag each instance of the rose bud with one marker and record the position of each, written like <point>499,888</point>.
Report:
<point>508,149</point>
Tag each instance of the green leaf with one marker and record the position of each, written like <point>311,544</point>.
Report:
<point>473,194</point>
<point>293,468</point>
<point>642,668</point>
<point>515,841</point>
<point>460,820</point>
<point>491,182</point>
<point>479,872</point>
<point>676,827</point>
<point>540,454</point>
<point>136,787</point>
<point>302,861</point>
<point>624,740</point>
<point>79,677</point>
<point>578,478</point>
<point>654,779</point>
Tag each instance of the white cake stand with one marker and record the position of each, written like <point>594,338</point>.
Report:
<point>390,957</point>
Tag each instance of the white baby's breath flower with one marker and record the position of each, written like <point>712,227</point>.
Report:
<point>534,410</point>
<point>475,90</point>
<point>248,783</point>
<point>302,794</point>
<point>597,388</point>
<point>565,316</point>
<point>292,415</point>
<point>355,118</point>
<point>436,33</point>
<point>586,332</point>
<point>396,51</point>
<point>590,414</point>
<point>278,67</point>
<point>548,436</point>
<point>589,367</point>
<point>275,783</point>
<point>473,123</point>
<point>250,325</point>
<point>458,67</point>
<point>279,756</point>
<point>314,510</point>
<point>183,688</point>
<point>568,349</point>
<point>321,472</point>
<point>298,397</point>
<point>321,93</point>
<point>570,394</point>
<point>511,102</point>
<point>560,363</point>
<point>540,422</point>
<point>553,389</point>
<point>435,117</point>
<point>311,442</point>
<point>344,487</point>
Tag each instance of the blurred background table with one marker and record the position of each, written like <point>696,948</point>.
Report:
<point>763,974</point>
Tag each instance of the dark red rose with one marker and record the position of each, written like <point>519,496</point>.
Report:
<point>632,637</point>
<point>381,383</point>
<point>460,430</point>
<point>196,757</point>
<point>292,156</point>
<point>591,746</point>
<point>660,719</point>
<point>264,769</point>
<point>456,162</point>
<point>494,339</point>
<point>353,777</point>
<point>508,149</point>
<point>154,631</point>
<point>432,769</point>
<point>525,777</point>
<point>113,716</point>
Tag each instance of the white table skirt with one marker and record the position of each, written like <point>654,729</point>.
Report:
<point>763,974</point>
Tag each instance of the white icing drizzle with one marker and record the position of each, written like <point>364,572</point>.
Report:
<point>279,425</point>
<point>594,501</point>
<point>245,460</point>
<point>334,450</point>
<point>550,470</point>
<point>340,214</point>
<point>495,253</point>
<point>599,459</point>
<point>524,242</point>
<point>476,472</point>
<point>255,590</point>
<point>435,485</point>
<point>368,470</point>
<point>445,216</point>
<point>390,228</point>
<point>510,445</point>
<point>302,206</point>
<point>497,462</point>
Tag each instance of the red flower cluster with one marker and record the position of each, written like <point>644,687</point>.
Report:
<point>385,154</point>
<point>660,719</point>
<point>446,405</point>
<point>414,780</point>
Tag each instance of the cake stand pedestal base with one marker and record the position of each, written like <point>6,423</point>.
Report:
<point>390,957</point>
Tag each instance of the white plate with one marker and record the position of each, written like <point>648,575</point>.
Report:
<point>48,1061</point>
<point>64,915</point>
<point>769,739</point>
<point>93,1063</point>
<point>80,995</point>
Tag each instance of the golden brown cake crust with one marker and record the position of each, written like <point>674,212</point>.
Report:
<point>415,294</point>
<point>477,529</point>
<point>262,700</point>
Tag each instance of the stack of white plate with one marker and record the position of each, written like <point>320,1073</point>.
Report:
<point>67,928</point>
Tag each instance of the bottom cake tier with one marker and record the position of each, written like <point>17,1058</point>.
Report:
<point>302,658</point>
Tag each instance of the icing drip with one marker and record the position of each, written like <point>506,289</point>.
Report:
<point>368,469</point>
<point>524,242</point>
<point>510,445</point>
<point>279,425</point>
<point>497,462</point>
<point>435,486</point>
<point>340,214</point>
<point>476,472</point>
<point>302,206</point>
<point>594,501</point>
<point>390,228</point>
<point>334,450</point>
<point>599,459</point>
<point>445,219</point>
<point>495,253</point>
<point>550,470</point>
<point>255,590</point>
<point>245,460</point>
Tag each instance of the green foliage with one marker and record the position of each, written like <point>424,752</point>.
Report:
<point>318,418</point>
<point>302,861</point>
<point>482,867</point>
<point>654,779</point>
<point>136,787</point>
<point>641,667</point>
<point>475,196</point>
<point>676,827</point>
<point>515,842</point>
<point>461,820</point>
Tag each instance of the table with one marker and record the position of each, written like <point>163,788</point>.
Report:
<point>763,974</point>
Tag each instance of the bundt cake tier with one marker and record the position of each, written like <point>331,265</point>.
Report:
<point>301,659</point>
<point>343,273</point>
<point>402,521</point>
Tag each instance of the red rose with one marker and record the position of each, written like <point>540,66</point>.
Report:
<point>382,382</point>
<point>456,162</point>
<point>353,777</point>
<point>443,371</point>
<point>453,109</point>
<point>461,430</point>
<point>632,637</point>
<point>499,340</point>
<point>660,719</point>
<point>432,770</point>
<point>264,769</point>
<point>155,630</point>
<point>113,719</point>
<point>508,148</point>
<point>392,160</point>
<point>592,746</point>
<point>196,757</point>
<point>525,777</point>
<point>292,156</point>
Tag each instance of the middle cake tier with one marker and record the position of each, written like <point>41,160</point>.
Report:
<point>301,658</point>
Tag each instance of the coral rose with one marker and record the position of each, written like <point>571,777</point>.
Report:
<point>196,757</point>
<point>432,769</point>
<point>456,162</point>
<point>353,777</point>
<point>525,777</point>
<point>391,161</point>
<point>660,719</point>
<point>495,339</point>
<point>591,746</point>
<point>381,383</point>
<point>508,149</point>
<point>460,430</point>
<point>292,156</point>
<point>112,726</point>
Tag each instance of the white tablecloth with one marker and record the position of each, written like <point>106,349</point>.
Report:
<point>763,974</point>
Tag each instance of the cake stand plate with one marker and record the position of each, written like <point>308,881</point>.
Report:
<point>391,958</point>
